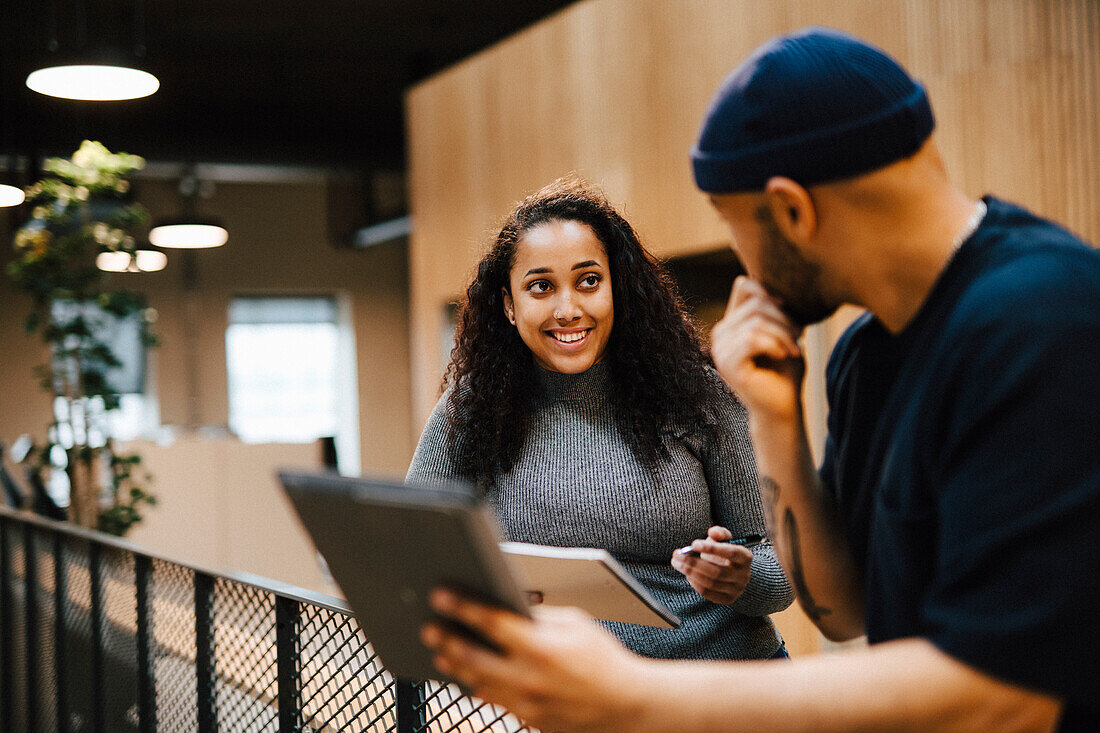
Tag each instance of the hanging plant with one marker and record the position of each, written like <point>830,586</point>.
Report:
<point>81,209</point>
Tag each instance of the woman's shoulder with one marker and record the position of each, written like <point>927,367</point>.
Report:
<point>717,406</point>
<point>440,419</point>
<point>721,397</point>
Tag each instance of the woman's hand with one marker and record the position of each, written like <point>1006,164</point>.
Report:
<point>721,571</point>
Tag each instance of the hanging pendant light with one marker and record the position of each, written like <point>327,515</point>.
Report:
<point>94,64</point>
<point>11,195</point>
<point>93,82</point>
<point>142,260</point>
<point>188,231</point>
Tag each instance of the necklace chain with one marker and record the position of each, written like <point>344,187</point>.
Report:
<point>971,225</point>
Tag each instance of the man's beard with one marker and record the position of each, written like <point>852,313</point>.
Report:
<point>788,276</point>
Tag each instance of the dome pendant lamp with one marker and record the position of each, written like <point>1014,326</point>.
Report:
<point>141,260</point>
<point>90,62</point>
<point>188,231</point>
<point>10,194</point>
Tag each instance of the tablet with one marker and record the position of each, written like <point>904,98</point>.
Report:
<point>388,544</point>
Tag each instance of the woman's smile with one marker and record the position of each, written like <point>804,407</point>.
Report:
<point>570,339</point>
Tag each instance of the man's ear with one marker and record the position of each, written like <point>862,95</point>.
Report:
<point>792,209</point>
<point>509,306</point>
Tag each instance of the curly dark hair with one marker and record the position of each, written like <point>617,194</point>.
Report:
<point>658,367</point>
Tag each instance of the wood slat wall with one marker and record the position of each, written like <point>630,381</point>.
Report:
<point>615,90</point>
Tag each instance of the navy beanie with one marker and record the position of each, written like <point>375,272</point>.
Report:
<point>814,106</point>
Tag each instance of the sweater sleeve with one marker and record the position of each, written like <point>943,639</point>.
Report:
<point>735,504</point>
<point>433,461</point>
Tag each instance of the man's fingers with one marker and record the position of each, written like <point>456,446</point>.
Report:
<point>469,663</point>
<point>750,307</point>
<point>743,289</point>
<point>764,308</point>
<point>771,341</point>
<point>503,628</point>
<point>749,322</point>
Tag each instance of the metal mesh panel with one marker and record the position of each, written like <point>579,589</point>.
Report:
<point>446,709</point>
<point>46,682</point>
<point>19,632</point>
<point>244,652</point>
<point>340,683</point>
<point>119,632</point>
<point>343,685</point>
<point>172,618</point>
<point>78,641</point>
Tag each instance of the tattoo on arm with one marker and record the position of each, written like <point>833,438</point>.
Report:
<point>798,577</point>
<point>769,495</point>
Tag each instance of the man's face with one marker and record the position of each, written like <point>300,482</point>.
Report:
<point>773,260</point>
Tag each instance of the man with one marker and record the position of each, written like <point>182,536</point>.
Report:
<point>955,518</point>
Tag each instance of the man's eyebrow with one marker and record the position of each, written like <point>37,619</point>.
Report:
<point>586,263</point>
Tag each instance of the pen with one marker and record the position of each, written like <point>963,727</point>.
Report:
<point>748,540</point>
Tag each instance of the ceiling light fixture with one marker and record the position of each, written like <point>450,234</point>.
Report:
<point>188,231</point>
<point>93,82</point>
<point>142,260</point>
<point>11,195</point>
<point>91,65</point>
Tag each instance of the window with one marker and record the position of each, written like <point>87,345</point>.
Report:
<point>137,414</point>
<point>291,372</point>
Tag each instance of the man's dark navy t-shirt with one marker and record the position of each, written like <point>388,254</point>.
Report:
<point>964,454</point>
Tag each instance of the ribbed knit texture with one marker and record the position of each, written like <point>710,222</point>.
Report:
<point>577,484</point>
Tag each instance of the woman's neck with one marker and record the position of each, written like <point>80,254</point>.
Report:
<point>591,384</point>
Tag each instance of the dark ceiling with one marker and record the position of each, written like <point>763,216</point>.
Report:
<point>274,82</point>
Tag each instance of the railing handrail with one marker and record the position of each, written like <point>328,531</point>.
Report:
<point>279,588</point>
<point>266,654</point>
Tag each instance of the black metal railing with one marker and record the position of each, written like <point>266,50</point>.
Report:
<point>99,634</point>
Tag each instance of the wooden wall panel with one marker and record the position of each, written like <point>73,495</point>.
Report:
<point>615,90</point>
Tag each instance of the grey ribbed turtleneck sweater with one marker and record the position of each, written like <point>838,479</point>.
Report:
<point>577,484</point>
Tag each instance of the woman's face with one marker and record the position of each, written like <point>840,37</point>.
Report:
<point>560,295</point>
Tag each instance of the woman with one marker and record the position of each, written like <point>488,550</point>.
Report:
<point>582,405</point>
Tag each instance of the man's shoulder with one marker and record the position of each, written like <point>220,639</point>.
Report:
<point>1028,301</point>
<point>1014,243</point>
<point>1039,277</point>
